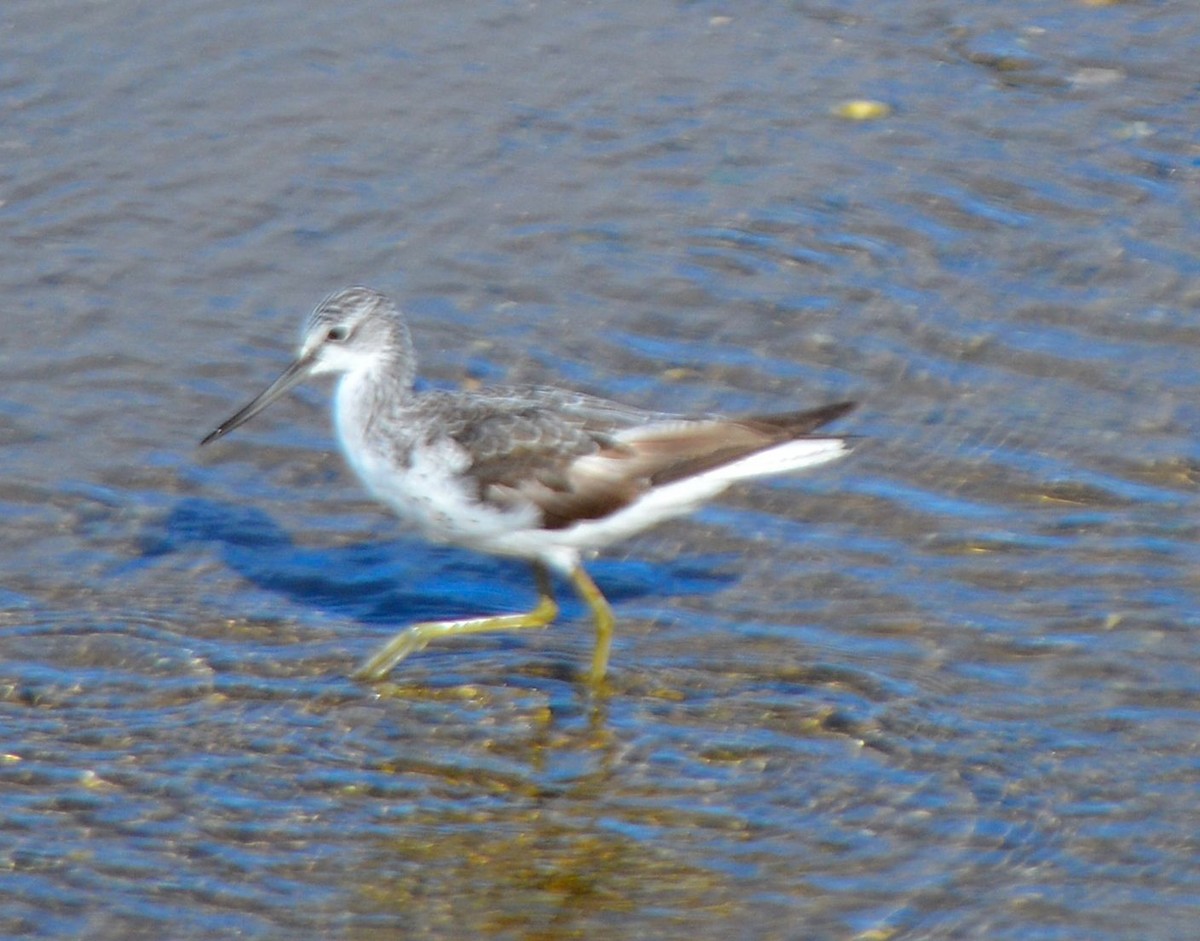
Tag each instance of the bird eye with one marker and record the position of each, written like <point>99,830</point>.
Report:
<point>337,334</point>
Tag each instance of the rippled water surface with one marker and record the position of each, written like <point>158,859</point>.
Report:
<point>946,688</point>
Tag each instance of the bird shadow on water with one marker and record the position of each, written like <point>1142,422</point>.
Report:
<point>397,582</point>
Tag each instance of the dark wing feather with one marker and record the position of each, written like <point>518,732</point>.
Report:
<point>523,449</point>
<point>741,437</point>
<point>579,458</point>
<point>798,424</point>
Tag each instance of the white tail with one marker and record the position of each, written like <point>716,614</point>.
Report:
<point>789,456</point>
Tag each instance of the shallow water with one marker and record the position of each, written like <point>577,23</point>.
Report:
<point>945,688</point>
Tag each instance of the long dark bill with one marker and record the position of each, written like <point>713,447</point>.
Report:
<point>294,374</point>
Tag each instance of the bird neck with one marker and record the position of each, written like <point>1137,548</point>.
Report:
<point>356,407</point>
<point>397,369</point>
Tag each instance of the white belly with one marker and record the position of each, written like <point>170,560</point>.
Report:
<point>431,495</point>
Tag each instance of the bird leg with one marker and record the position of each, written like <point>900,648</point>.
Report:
<point>603,615</point>
<point>416,637</point>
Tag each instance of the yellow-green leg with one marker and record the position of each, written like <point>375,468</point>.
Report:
<point>414,638</point>
<point>603,615</point>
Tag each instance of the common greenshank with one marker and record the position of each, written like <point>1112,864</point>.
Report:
<point>536,473</point>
